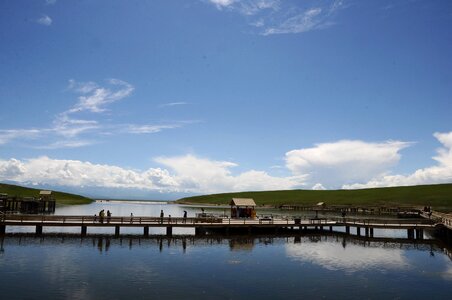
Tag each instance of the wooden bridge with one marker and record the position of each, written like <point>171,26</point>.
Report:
<point>361,227</point>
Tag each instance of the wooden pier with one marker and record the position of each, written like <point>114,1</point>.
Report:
<point>203,226</point>
<point>45,203</point>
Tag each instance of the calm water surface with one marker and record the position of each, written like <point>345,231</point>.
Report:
<point>185,267</point>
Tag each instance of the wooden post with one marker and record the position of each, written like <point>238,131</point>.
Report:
<point>117,229</point>
<point>358,231</point>
<point>367,231</point>
<point>38,229</point>
<point>371,232</point>
<point>146,230</point>
<point>83,232</point>
<point>419,234</point>
<point>169,231</point>
<point>199,231</point>
<point>2,229</point>
<point>331,228</point>
<point>249,230</point>
<point>347,229</point>
<point>410,233</point>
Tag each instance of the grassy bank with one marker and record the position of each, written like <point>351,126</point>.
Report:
<point>438,196</point>
<point>60,197</point>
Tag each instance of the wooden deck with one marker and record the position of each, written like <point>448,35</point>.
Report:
<point>362,227</point>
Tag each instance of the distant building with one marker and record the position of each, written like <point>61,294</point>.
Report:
<point>45,195</point>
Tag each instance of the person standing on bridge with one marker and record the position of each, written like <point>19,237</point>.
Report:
<point>101,216</point>
<point>108,216</point>
<point>185,216</point>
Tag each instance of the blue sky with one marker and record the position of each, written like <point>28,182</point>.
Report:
<point>158,99</point>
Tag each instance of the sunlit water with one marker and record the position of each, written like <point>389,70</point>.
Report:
<point>185,267</point>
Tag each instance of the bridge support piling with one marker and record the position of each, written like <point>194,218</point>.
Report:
<point>419,234</point>
<point>347,229</point>
<point>83,231</point>
<point>331,228</point>
<point>2,229</point>
<point>117,230</point>
<point>321,228</point>
<point>358,231</point>
<point>366,230</point>
<point>38,229</point>
<point>169,231</point>
<point>146,230</point>
<point>249,230</point>
<point>410,233</point>
<point>371,232</point>
<point>200,231</point>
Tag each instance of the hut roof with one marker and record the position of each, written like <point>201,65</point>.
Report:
<point>243,202</point>
<point>45,193</point>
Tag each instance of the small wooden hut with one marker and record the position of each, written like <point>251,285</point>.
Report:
<point>45,195</point>
<point>243,208</point>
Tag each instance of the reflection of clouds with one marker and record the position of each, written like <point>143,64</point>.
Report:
<point>447,274</point>
<point>332,256</point>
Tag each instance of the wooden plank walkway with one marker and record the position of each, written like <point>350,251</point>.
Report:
<point>414,227</point>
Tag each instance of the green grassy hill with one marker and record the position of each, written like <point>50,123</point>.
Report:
<point>60,197</point>
<point>438,196</point>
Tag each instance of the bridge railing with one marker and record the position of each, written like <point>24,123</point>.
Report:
<point>147,220</point>
<point>116,220</point>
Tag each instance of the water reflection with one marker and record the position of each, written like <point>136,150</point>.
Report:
<point>97,267</point>
<point>338,255</point>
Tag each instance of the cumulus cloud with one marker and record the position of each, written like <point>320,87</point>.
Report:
<point>182,174</point>
<point>439,173</point>
<point>44,170</point>
<point>332,256</point>
<point>318,187</point>
<point>209,176</point>
<point>44,20</point>
<point>345,161</point>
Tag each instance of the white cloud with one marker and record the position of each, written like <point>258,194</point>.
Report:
<point>8,135</point>
<point>173,104</point>
<point>306,21</point>
<point>184,174</point>
<point>346,161</point>
<point>66,144</point>
<point>44,20</point>
<point>44,170</point>
<point>439,173</point>
<point>246,7</point>
<point>283,17</point>
<point>95,98</point>
<point>51,2</point>
<point>332,256</point>
<point>209,176</point>
<point>318,187</point>
<point>222,3</point>
<point>142,129</point>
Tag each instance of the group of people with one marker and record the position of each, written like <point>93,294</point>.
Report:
<point>162,215</point>
<point>102,216</point>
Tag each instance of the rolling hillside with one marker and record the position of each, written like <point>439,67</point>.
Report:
<point>438,196</point>
<point>60,197</point>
